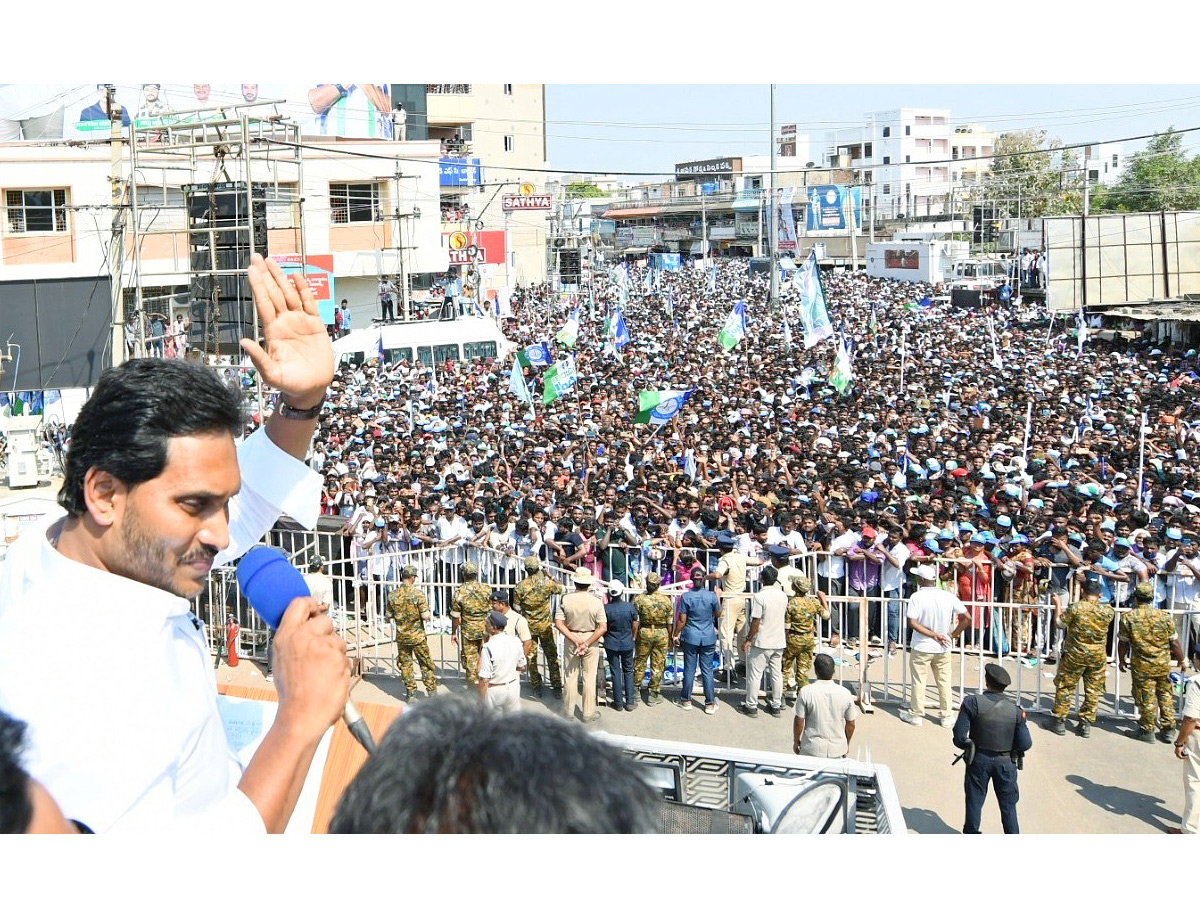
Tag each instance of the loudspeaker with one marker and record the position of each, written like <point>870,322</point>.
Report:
<point>224,215</point>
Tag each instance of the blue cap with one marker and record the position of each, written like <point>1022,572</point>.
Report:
<point>1174,534</point>
<point>1020,539</point>
<point>1122,542</point>
<point>1108,525</point>
<point>1004,521</point>
<point>932,544</point>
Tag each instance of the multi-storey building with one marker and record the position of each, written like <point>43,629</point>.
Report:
<point>493,138</point>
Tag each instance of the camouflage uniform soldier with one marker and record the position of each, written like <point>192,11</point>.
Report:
<point>534,596</point>
<point>1083,656</point>
<point>803,610</point>
<point>468,611</point>
<point>1151,634</point>
<point>408,608</point>
<point>655,612</point>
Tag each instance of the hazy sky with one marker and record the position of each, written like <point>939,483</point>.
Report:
<point>649,128</point>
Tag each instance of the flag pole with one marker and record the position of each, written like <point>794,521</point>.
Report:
<point>1028,426</point>
<point>1141,461</point>
<point>903,362</point>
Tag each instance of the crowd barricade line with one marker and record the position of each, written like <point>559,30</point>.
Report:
<point>1010,619</point>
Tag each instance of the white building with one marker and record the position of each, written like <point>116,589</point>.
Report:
<point>1103,163</point>
<point>905,154</point>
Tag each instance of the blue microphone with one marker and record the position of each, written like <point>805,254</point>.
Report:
<point>270,583</point>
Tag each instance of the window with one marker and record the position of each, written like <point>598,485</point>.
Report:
<point>437,355</point>
<point>907,130</point>
<point>34,211</point>
<point>479,350</point>
<point>354,203</point>
<point>954,153</point>
<point>508,90</point>
<point>397,354</point>
<point>908,159</point>
<point>887,189</point>
<point>868,150</point>
<point>887,131</point>
<point>1115,164</point>
<point>887,160</point>
<point>508,143</point>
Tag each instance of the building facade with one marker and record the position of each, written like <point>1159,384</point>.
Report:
<point>493,141</point>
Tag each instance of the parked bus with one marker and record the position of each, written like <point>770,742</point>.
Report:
<point>427,342</point>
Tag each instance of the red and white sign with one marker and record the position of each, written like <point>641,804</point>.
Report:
<point>533,201</point>
<point>468,256</point>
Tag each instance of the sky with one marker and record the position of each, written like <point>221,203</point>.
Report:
<point>649,128</point>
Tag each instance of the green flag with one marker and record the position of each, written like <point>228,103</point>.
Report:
<point>559,380</point>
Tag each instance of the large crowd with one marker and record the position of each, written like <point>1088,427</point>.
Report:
<point>925,450</point>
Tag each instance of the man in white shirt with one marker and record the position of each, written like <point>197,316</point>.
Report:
<point>768,638</point>
<point>895,554</point>
<point>825,714</point>
<point>156,493</point>
<point>501,661</point>
<point>937,618</point>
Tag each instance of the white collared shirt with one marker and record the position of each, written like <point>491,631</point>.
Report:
<point>137,748</point>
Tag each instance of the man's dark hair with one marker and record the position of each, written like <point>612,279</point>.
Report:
<point>823,666</point>
<point>16,809</point>
<point>454,766</point>
<point>769,576</point>
<point>136,408</point>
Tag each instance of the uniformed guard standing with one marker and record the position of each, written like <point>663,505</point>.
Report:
<point>534,596</point>
<point>1083,656</point>
<point>409,609</point>
<point>468,610</point>
<point>803,610</point>
<point>655,613</point>
<point>992,733</point>
<point>1150,633</point>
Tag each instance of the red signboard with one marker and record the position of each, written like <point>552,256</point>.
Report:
<point>488,244</point>
<point>533,201</point>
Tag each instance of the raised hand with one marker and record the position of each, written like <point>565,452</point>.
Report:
<point>298,359</point>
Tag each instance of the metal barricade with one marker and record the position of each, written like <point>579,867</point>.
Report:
<point>1013,616</point>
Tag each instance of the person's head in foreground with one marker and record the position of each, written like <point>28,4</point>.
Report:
<point>25,806</point>
<point>453,766</point>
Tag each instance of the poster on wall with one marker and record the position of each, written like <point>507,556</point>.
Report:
<point>40,112</point>
<point>827,207</point>
<point>785,225</point>
<point>318,272</point>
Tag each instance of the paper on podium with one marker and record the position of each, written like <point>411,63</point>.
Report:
<point>246,721</point>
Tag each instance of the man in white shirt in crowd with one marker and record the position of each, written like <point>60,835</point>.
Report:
<point>937,618</point>
<point>890,541</point>
<point>501,661</point>
<point>825,714</point>
<point>156,493</point>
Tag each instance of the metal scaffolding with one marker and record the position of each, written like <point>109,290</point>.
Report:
<point>244,160</point>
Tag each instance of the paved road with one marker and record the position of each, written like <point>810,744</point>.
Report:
<point>1106,784</point>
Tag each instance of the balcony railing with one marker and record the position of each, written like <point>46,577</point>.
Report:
<point>447,89</point>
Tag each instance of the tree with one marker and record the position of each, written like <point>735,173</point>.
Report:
<point>1034,170</point>
<point>1160,177</point>
<point>583,190</point>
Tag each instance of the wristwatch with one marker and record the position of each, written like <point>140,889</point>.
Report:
<point>288,411</point>
<point>342,92</point>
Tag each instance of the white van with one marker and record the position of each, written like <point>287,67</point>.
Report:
<point>428,342</point>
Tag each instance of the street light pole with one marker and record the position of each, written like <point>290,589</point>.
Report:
<point>774,232</point>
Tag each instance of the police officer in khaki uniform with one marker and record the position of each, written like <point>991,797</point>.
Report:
<point>535,599</point>
<point>581,620</point>
<point>468,610</point>
<point>408,608</point>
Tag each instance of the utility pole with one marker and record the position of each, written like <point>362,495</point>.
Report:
<point>773,230</point>
<point>703,229</point>
<point>401,247</point>
<point>116,245</point>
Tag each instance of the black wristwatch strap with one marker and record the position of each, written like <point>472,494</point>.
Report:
<point>288,411</point>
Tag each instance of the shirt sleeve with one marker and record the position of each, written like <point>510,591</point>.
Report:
<point>485,663</point>
<point>273,483</point>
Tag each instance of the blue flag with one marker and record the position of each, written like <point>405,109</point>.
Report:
<point>379,347</point>
<point>712,276</point>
